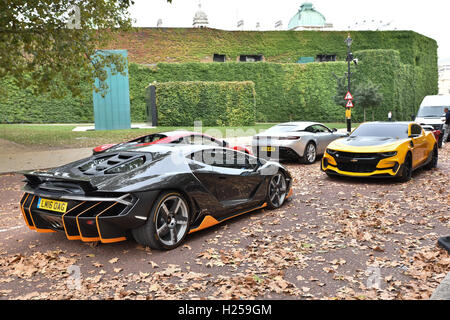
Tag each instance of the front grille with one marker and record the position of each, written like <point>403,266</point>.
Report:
<point>357,167</point>
<point>357,162</point>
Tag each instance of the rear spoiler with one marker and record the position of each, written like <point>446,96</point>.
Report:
<point>36,178</point>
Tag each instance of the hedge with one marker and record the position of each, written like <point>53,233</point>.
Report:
<point>213,103</point>
<point>283,91</point>
<point>22,106</point>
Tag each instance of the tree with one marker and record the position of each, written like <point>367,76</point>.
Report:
<point>368,95</point>
<point>49,45</point>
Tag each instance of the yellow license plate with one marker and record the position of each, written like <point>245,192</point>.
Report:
<point>271,149</point>
<point>52,205</point>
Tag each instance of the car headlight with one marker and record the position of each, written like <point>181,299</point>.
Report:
<point>331,152</point>
<point>389,154</point>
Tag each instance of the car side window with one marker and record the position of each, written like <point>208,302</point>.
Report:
<point>324,129</point>
<point>415,129</point>
<point>214,157</point>
<point>318,128</point>
<point>182,140</point>
<point>310,129</point>
<point>211,142</point>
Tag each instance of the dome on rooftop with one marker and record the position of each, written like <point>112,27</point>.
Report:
<point>308,18</point>
<point>200,18</point>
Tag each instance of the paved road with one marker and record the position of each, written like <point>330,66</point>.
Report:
<point>336,238</point>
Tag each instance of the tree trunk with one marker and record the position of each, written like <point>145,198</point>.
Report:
<point>364,110</point>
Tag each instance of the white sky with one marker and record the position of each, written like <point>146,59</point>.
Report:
<point>430,17</point>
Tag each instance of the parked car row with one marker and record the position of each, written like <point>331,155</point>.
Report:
<point>160,187</point>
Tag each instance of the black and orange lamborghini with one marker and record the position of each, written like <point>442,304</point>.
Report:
<point>158,194</point>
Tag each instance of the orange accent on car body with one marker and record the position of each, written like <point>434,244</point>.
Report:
<point>210,221</point>
<point>119,239</point>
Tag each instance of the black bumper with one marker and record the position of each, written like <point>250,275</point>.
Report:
<point>89,219</point>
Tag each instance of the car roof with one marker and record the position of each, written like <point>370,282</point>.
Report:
<point>390,122</point>
<point>298,123</point>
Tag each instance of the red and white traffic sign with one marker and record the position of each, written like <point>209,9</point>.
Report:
<point>349,104</point>
<point>348,96</point>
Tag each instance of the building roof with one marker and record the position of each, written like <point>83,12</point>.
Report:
<point>307,16</point>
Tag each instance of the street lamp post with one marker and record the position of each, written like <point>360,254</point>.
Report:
<point>348,113</point>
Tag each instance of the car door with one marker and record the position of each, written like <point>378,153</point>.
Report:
<point>419,142</point>
<point>323,137</point>
<point>236,179</point>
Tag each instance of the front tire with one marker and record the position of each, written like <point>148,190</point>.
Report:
<point>167,224</point>
<point>277,191</point>
<point>406,169</point>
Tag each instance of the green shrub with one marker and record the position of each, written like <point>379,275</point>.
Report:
<point>213,103</point>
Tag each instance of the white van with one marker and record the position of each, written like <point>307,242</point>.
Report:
<point>431,111</point>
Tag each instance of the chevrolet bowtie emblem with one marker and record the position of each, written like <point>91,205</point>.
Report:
<point>353,160</point>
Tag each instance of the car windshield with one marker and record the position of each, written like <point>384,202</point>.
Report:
<point>431,112</point>
<point>280,129</point>
<point>385,130</point>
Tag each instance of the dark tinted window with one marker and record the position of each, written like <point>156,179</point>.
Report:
<point>395,130</point>
<point>225,158</point>
<point>150,138</point>
<point>415,129</point>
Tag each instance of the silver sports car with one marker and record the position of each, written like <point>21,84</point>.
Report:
<point>294,141</point>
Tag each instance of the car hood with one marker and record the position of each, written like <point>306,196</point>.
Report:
<point>365,144</point>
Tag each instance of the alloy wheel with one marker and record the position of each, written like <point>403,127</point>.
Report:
<point>311,153</point>
<point>172,220</point>
<point>277,190</point>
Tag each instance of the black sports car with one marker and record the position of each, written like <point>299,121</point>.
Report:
<point>158,193</point>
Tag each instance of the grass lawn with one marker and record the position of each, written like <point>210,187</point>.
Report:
<point>62,136</point>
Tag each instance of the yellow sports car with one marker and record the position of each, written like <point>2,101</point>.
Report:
<point>381,149</point>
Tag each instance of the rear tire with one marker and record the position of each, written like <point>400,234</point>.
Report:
<point>167,224</point>
<point>434,159</point>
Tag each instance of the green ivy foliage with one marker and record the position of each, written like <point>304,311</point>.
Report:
<point>403,86</point>
<point>284,91</point>
<point>213,103</point>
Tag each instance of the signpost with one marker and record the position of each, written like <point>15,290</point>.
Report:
<point>348,96</point>
<point>348,111</point>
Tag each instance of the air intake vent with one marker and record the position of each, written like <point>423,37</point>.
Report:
<point>114,163</point>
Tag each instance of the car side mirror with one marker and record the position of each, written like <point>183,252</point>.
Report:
<point>334,130</point>
<point>414,135</point>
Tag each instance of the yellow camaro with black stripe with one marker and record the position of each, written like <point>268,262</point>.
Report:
<point>381,149</point>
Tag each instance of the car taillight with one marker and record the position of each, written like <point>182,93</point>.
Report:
<point>288,138</point>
